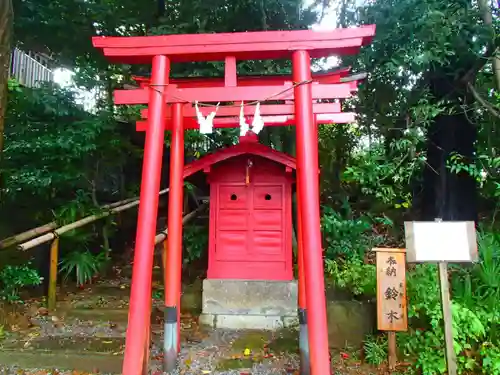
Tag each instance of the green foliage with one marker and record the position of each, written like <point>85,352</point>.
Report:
<point>388,180</point>
<point>490,358</point>
<point>485,169</point>
<point>195,242</point>
<point>353,275</point>
<point>83,265</point>
<point>350,237</point>
<point>14,278</point>
<point>344,237</point>
<point>53,147</point>
<point>347,242</point>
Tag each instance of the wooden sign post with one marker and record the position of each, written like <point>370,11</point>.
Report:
<point>442,242</point>
<point>391,296</point>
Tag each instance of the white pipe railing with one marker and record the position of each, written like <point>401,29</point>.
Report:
<point>27,71</point>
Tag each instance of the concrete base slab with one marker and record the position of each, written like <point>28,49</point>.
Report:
<point>261,322</point>
<point>249,304</point>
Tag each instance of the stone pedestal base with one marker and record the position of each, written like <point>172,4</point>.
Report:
<point>242,304</point>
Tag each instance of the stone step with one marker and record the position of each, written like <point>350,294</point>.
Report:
<point>62,344</point>
<point>157,273</point>
<point>65,353</point>
<point>104,363</point>
<point>98,315</point>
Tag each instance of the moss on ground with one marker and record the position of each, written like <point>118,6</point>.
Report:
<point>234,364</point>
<point>253,340</point>
<point>285,341</point>
<point>259,344</point>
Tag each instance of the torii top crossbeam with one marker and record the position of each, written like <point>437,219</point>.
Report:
<point>258,45</point>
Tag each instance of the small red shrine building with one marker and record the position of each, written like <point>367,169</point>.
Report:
<point>250,211</point>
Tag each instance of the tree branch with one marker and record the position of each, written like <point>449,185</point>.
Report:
<point>470,74</point>
<point>489,107</point>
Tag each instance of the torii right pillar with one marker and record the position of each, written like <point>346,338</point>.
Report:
<point>308,199</point>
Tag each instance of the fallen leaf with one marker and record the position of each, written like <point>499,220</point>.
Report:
<point>42,311</point>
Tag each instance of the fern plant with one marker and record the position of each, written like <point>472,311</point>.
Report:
<point>84,265</point>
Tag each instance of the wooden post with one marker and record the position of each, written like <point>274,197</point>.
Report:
<point>54,259</point>
<point>392,353</point>
<point>451,358</point>
<point>391,297</point>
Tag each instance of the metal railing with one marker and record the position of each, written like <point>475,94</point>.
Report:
<point>27,71</point>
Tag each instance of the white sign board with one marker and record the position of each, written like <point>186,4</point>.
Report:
<point>445,241</point>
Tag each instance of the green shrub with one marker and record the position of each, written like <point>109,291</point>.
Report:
<point>14,278</point>
<point>352,275</point>
<point>350,237</point>
<point>195,242</point>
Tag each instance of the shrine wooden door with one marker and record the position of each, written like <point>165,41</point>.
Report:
<point>251,226</point>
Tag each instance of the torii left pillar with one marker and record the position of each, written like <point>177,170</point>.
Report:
<point>136,359</point>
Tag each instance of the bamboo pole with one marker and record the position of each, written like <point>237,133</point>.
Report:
<point>54,258</point>
<point>54,254</point>
<point>77,224</point>
<point>25,236</point>
<point>162,236</point>
<point>29,234</point>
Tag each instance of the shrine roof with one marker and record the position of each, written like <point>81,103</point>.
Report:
<point>248,145</point>
<point>243,45</point>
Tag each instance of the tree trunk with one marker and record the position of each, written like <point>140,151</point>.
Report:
<point>449,195</point>
<point>6,24</point>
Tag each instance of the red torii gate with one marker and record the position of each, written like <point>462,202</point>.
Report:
<point>300,46</point>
